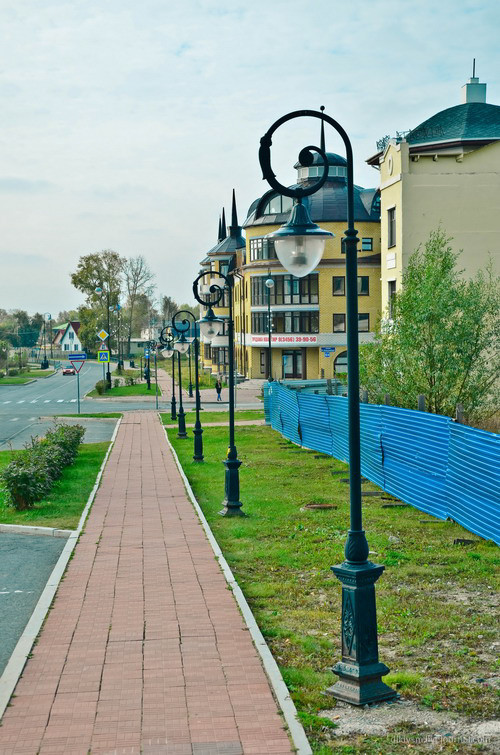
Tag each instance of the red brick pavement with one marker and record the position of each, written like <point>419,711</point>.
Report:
<point>144,649</point>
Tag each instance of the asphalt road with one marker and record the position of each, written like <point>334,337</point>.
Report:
<point>22,406</point>
<point>26,562</point>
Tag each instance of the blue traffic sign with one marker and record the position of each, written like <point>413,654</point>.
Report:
<point>78,356</point>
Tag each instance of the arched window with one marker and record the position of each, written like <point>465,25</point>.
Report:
<point>341,362</point>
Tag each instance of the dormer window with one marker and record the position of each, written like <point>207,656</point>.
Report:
<point>278,204</point>
<point>315,171</point>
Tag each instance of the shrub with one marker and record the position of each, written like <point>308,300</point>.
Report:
<point>129,380</point>
<point>116,382</point>
<point>101,387</point>
<point>2,374</point>
<point>13,372</point>
<point>31,474</point>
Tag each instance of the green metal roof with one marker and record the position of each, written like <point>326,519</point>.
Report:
<point>469,122</point>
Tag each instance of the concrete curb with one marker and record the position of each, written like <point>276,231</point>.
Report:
<point>18,659</point>
<point>271,668</point>
<point>24,529</point>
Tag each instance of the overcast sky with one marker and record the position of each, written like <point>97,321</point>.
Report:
<point>125,124</point>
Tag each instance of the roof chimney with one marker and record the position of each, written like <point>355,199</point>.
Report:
<point>473,91</point>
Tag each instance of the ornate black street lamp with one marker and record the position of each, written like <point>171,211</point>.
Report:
<point>183,345</point>
<point>210,327</point>
<point>269,285</point>
<point>190,387</point>
<point>299,245</point>
<point>167,340</point>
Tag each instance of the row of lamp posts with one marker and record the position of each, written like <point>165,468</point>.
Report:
<point>299,246</point>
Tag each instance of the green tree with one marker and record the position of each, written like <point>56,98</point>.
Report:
<point>443,338</point>
<point>100,269</point>
<point>138,279</point>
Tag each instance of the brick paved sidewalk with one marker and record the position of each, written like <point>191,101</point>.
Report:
<point>144,649</point>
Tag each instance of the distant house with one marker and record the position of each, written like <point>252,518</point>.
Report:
<point>66,337</point>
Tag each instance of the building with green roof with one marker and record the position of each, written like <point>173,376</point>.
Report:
<point>445,172</point>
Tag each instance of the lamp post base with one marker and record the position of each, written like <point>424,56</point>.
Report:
<point>359,671</point>
<point>190,390</point>
<point>198,444</point>
<point>231,503</point>
<point>182,424</point>
<point>173,411</point>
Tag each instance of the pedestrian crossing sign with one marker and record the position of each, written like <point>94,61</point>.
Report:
<point>103,356</point>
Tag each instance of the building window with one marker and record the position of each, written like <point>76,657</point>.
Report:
<point>391,296</point>
<point>277,205</point>
<point>367,245</point>
<point>363,285</point>
<point>363,323</point>
<point>391,227</point>
<point>287,290</point>
<point>286,322</point>
<point>339,323</point>
<point>262,249</point>
<point>71,335</point>
<point>339,285</point>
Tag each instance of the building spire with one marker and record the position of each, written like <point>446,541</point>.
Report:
<point>473,68</point>
<point>322,143</point>
<point>223,233</point>
<point>234,216</point>
<point>219,232</point>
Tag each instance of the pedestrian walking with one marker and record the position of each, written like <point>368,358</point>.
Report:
<point>218,388</point>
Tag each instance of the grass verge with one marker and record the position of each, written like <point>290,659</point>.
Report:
<point>436,603</point>
<point>206,416</point>
<point>127,390</point>
<point>99,415</point>
<point>64,505</point>
<point>26,377</point>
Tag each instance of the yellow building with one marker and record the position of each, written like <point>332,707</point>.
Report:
<point>444,173</point>
<point>308,315</point>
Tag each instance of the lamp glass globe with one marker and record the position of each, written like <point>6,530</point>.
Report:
<point>299,255</point>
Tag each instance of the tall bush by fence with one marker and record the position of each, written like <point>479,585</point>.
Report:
<point>443,468</point>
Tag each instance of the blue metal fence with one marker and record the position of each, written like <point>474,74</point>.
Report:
<point>443,468</point>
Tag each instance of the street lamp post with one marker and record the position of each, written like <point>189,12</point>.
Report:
<point>46,317</point>
<point>299,245</point>
<point>269,285</point>
<point>211,326</point>
<point>182,345</point>
<point>100,290</point>
<point>179,346</point>
<point>190,389</point>
<point>167,340</point>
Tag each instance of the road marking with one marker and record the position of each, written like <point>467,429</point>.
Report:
<point>35,400</point>
<point>7,402</point>
<point>60,400</point>
<point>31,419</point>
<point>72,401</point>
<point>21,402</point>
<point>15,419</point>
<point>47,401</point>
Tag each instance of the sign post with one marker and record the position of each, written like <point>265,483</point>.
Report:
<point>78,359</point>
<point>103,334</point>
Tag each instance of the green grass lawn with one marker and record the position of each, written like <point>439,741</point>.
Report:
<point>436,601</point>
<point>25,377</point>
<point>127,390</point>
<point>63,506</point>
<point>99,415</point>
<point>217,416</point>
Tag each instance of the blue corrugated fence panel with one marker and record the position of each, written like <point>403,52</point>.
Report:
<point>338,421</point>
<point>289,414</point>
<point>313,416</point>
<point>267,413</point>
<point>274,406</point>
<point>415,449</point>
<point>371,443</point>
<point>473,480</point>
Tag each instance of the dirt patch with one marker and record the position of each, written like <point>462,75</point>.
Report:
<point>427,728</point>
